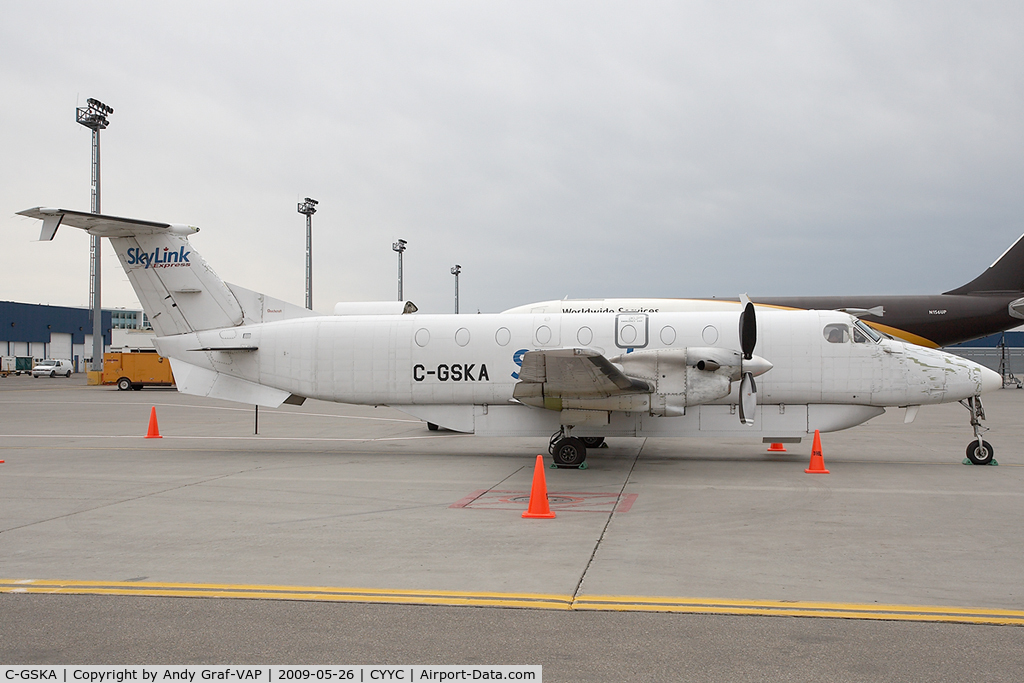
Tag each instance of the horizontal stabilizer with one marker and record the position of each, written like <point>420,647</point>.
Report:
<point>101,225</point>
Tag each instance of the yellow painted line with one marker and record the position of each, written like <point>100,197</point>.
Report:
<point>375,595</point>
<point>802,608</point>
<point>620,603</point>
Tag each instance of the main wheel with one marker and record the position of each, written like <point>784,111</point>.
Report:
<point>980,455</point>
<point>569,452</point>
<point>124,384</point>
<point>592,441</point>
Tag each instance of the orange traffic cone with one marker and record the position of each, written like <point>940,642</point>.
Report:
<point>539,508</point>
<point>817,462</point>
<point>154,430</point>
<point>776,448</point>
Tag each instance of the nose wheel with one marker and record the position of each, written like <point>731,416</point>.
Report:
<point>979,451</point>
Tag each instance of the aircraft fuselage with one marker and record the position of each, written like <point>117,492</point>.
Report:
<point>461,371</point>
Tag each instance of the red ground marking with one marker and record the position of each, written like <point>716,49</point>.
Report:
<point>559,501</point>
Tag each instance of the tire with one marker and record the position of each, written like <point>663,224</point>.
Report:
<point>136,387</point>
<point>53,373</point>
<point>431,426</point>
<point>68,375</point>
<point>569,452</point>
<point>980,456</point>
<point>592,441</point>
<point>124,384</point>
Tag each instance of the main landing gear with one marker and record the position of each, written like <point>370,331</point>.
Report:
<point>979,451</point>
<point>571,451</point>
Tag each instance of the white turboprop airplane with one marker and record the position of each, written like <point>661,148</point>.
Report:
<point>582,376</point>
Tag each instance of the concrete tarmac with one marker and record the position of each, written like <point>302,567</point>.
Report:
<point>331,497</point>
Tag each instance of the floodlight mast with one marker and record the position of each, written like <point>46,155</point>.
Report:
<point>94,117</point>
<point>455,271</point>
<point>308,207</point>
<point>399,246</point>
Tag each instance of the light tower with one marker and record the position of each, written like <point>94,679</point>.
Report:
<point>308,207</point>
<point>94,117</point>
<point>399,246</point>
<point>455,271</point>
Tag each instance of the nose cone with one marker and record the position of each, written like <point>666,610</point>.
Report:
<point>757,366</point>
<point>990,380</point>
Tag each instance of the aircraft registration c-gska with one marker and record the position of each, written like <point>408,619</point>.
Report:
<point>580,377</point>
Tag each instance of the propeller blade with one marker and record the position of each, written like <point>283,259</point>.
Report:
<point>748,331</point>
<point>748,399</point>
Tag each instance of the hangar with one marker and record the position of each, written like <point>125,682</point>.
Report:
<point>43,331</point>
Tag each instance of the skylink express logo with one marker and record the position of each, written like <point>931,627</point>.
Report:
<point>159,259</point>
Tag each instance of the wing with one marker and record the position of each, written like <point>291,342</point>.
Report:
<point>572,373</point>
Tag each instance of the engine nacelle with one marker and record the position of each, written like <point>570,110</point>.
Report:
<point>678,378</point>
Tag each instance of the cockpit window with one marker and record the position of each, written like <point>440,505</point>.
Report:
<point>866,329</point>
<point>837,333</point>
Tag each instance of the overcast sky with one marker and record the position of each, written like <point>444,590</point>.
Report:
<point>550,148</point>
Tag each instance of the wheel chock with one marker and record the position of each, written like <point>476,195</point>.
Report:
<point>992,462</point>
<point>583,466</point>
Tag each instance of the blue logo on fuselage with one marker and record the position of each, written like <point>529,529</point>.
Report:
<point>158,258</point>
<point>517,358</point>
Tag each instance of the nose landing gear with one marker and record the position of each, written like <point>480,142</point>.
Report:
<point>979,451</point>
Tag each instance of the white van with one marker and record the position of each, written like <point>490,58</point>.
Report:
<point>52,367</point>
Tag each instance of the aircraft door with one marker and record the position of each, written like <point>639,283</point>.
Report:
<point>547,330</point>
<point>631,330</point>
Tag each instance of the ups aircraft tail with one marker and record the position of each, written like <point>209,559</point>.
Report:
<point>1005,276</point>
<point>178,290</point>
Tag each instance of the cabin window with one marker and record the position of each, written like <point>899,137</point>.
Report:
<point>837,333</point>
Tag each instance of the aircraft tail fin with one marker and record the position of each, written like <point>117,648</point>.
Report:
<point>178,290</point>
<point>1005,276</point>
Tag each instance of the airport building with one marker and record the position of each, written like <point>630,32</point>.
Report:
<point>60,331</point>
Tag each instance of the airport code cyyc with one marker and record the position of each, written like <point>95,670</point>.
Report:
<point>268,674</point>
